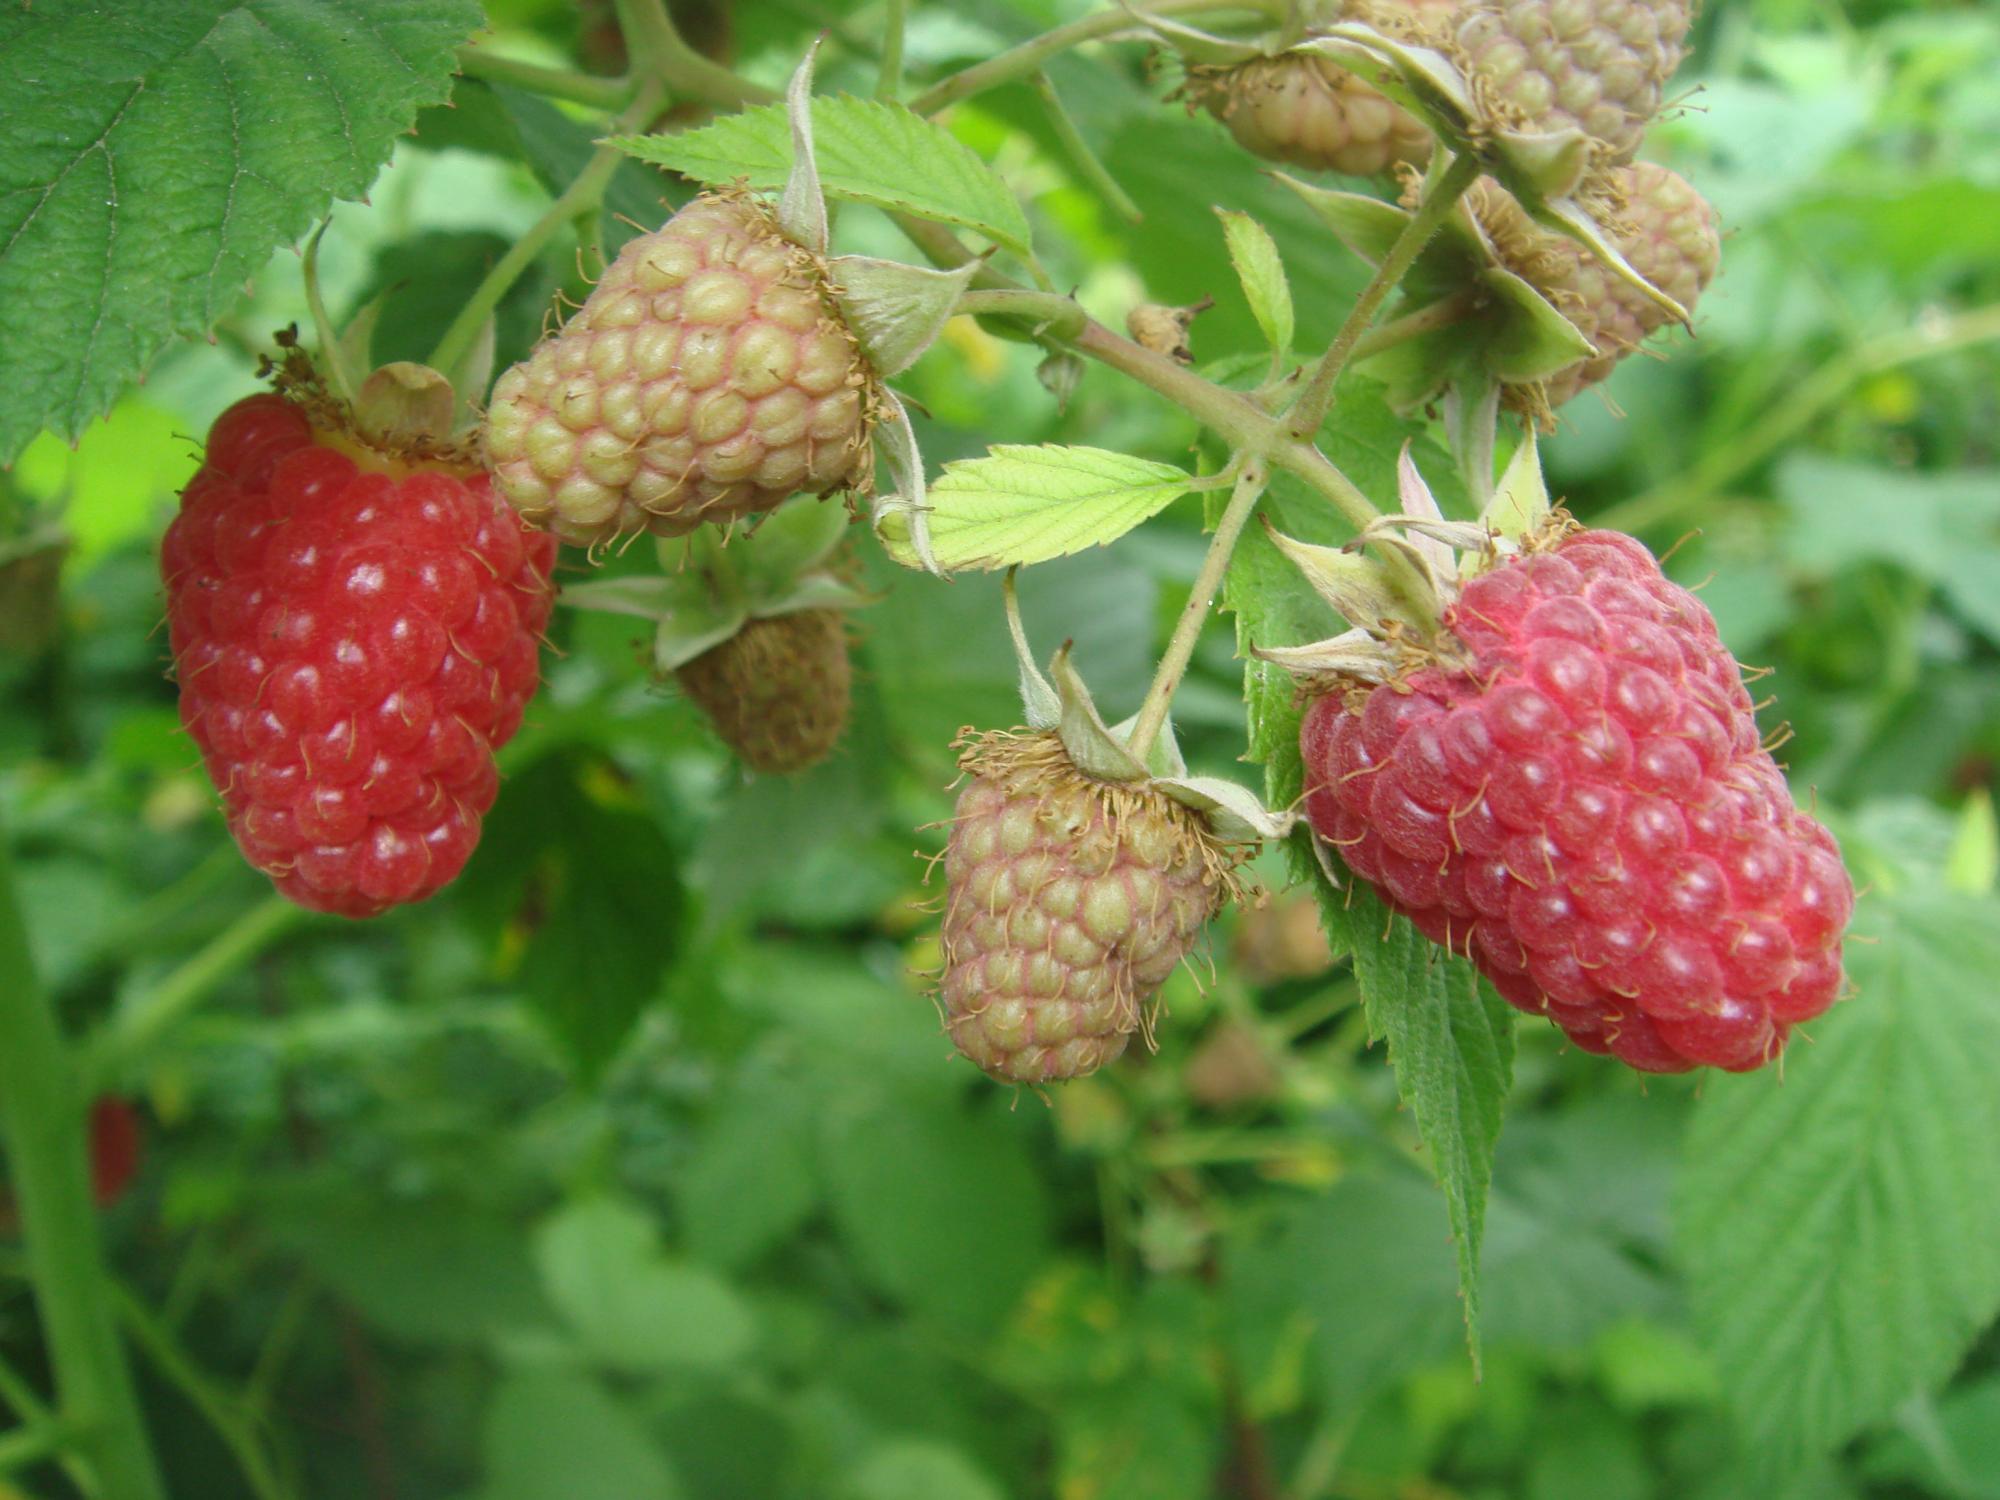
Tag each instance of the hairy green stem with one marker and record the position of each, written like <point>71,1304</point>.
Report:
<point>1047,313</point>
<point>1082,156</point>
<point>554,83</point>
<point>1441,314</point>
<point>147,1015</point>
<point>1685,494</point>
<point>1028,57</point>
<point>44,1115</point>
<point>584,193</point>
<point>889,81</point>
<point>660,54</point>
<point>1250,484</point>
<point>1310,409</point>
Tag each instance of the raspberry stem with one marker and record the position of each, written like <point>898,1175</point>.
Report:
<point>553,83</point>
<point>660,54</point>
<point>1310,409</point>
<point>143,1018</point>
<point>43,1115</point>
<point>889,81</point>
<point>1194,615</point>
<point>581,195</point>
<point>1085,160</point>
<point>1005,67</point>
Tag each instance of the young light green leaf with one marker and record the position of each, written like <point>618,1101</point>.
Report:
<point>869,152</point>
<point>136,198</point>
<point>1840,1224</point>
<point>1258,266</point>
<point>1026,505</point>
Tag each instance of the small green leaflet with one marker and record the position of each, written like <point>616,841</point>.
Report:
<point>1026,505</point>
<point>1840,1225</point>
<point>152,157</point>
<point>867,151</point>
<point>1255,255</point>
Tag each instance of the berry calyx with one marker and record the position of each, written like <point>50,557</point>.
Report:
<point>355,632</point>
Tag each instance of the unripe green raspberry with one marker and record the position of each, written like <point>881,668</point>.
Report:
<point>1068,902</point>
<point>1598,66</point>
<point>777,691</point>
<point>1305,110</point>
<point>708,376</point>
<point>1666,231</point>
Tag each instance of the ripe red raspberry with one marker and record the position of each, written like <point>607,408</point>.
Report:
<point>116,1138</point>
<point>1573,793</point>
<point>354,637</point>
<point>1068,902</point>
<point>709,375</point>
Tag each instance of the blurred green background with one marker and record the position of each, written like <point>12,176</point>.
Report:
<point>634,1165</point>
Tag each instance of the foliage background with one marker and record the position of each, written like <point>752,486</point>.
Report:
<point>633,1165</point>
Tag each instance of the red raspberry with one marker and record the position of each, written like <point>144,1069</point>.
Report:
<point>116,1138</point>
<point>354,637</point>
<point>1577,799</point>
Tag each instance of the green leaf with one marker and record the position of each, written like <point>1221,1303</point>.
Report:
<point>1362,1274</point>
<point>867,151</point>
<point>1027,505</point>
<point>433,1271</point>
<point>940,1208</point>
<point>1450,1040</point>
<point>1136,1441</point>
<point>556,1432</point>
<point>1944,527</point>
<point>918,1469</point>
<point>152,156</point>
<point>1841,1224</point>
<point>628,1305</point>
<point>1258,266</point>
<point>585,885</point>
<point>752,1179</point>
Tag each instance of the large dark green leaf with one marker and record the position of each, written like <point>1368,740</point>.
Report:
<point>152,156</point>
<point>1841,1222</point>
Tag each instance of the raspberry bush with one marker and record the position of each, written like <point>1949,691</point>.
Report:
<point>637,865</point>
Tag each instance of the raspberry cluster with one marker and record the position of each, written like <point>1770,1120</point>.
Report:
<point>708,376</point>
<point>1573,793</point>
<point>354,638</point>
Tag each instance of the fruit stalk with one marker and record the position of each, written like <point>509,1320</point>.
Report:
<point>660,52</point>
<point>43,1115</point>
<point>579,196</point>
<point>1201,598</point>
<point>1310,409</point>
<point>553,83</point>
<point>1005,67</point>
